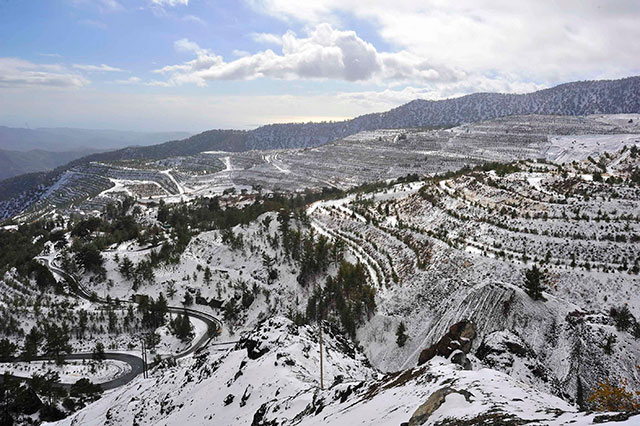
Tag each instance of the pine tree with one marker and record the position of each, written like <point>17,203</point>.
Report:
<point>580,395</point>
<point>57,342</point>
<point>401,334</point>
<point>7,349</point>
<point>45,383</point>
<point>152,340</point>
<point>31,344</point>
<point>533,283</point>
<point>98,352</point>
<point>126,268</point>
<point>181,327</point>
<point>188,299</point>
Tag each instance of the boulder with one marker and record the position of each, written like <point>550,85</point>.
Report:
<point>435,400</point>
<point>461,359</point>
<point>459,337</point>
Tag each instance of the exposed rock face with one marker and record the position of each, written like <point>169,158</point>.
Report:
<point>459,337</point>
<point>254,348</point>
<point>505,351</point>
<point>421,415</point>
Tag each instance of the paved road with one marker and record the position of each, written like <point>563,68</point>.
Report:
<point>135,362</point>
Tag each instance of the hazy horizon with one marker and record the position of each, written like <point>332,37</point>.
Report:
<point>191,65</point>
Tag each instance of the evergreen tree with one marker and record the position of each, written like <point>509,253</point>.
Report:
<point>45,383</point>
<point>188,299</point>
<point>57,342</point>
<point>401,334</point>
<point>609,343</point>
<point>152,340</point>
<point>98,352</point>
<point>83,320</point>
<point>126,268</point>
<point>7,349</point>
<point>31,344</point>
<point>533,283</point>
<point>622,317</point>
<point>207,275</point>
<point>580,395</point>
<point>181,327</point>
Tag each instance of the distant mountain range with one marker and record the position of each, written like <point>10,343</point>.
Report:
<point>578,98</point>
<point>572,99</point>
<point>65,139</point>
<point>14,163</point>
<point>37,150</point>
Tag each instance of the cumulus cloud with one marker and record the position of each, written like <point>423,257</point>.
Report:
<point>97,68</point>
<point>326,53</point>
<point>528,40</point>
<point>16,72</point>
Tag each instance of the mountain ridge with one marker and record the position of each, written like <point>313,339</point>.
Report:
<point>569,99</point>
<point>573,98</point>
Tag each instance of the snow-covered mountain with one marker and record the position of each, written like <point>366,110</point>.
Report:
<point>442,261</point>
<point>271,378</point>
<point>577,98</point>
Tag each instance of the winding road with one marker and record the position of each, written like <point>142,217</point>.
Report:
<point>214,326</point>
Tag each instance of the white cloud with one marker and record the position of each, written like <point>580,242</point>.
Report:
<point>16,72</point>
<point>130,80</point>
<point>389,98</point>
<point>104,6</point>
<point>97,68</point>
<point>170,3</point>
<point>326,53</point>
<point>541,40</point>
<point>194,18</point>
<point>240,53</point>
<point>267,38</point>
<point>110,5</point>
<point>186,45</point>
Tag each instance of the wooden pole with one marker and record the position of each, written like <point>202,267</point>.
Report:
<point>144,361</point>
<point>321,372</point>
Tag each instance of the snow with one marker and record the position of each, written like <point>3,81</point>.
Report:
<point>564,149</point>
<point>282,384</point>
<point>97,372</point>
<point>181,189</point>
<point>274,161</point>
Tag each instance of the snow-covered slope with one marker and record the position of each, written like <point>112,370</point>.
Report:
<point>271,377</point>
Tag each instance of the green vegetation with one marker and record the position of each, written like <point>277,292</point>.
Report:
<point>533,279</point>
<point>347,298</point>
<point>181,327</point>
<point>401,334</point>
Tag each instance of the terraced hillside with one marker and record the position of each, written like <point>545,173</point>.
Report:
<point>358,159</point>
<point>457,248</point>
<point>571,99</point>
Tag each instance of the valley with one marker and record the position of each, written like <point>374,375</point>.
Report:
<point>521,233</point>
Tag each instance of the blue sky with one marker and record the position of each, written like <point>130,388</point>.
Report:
<point>200,64</point>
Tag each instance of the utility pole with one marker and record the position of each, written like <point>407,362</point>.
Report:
<point>320,313</point>
<point>144,361</point>
<point>321,375</point>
